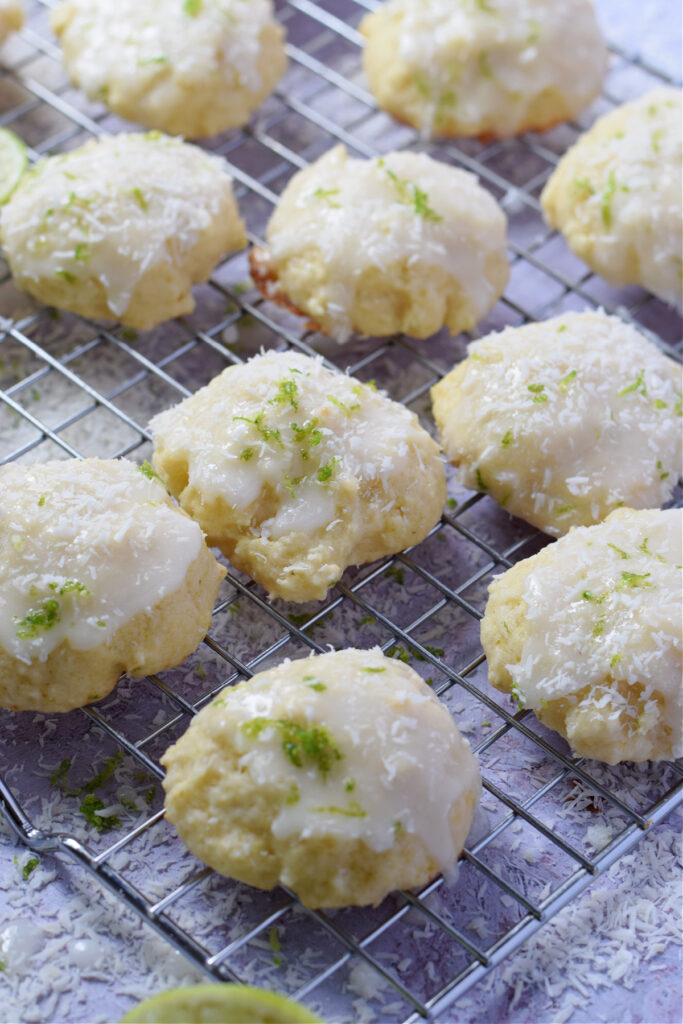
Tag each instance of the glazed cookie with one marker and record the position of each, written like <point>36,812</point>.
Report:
<point>295,472</point>
<point>616,195</point>
<point>340,776</point>
<point>399,243</point>
<point>194,68</point>
<point>587,633</point>
<point>492,68</point>
<point>11,17</point>
<point>563,421</point>
<point>101,574</point>
<point>122,228</point>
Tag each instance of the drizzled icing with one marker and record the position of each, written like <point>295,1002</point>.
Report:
<point>397,761</point>
<point>84,547</point>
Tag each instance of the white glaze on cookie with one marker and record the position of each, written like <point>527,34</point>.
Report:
<point>564,420</point>
<point>401,210</point>
<point>388,758</point>
<point>84,546</point>
<point>609,606</point>
<point>296,472</point>
<point>113,211</point>
<point>484,66</point>
<point>616,195</point>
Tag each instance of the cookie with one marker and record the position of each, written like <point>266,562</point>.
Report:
<point>340,776</point>
<point>101,574</point>
<point>587,633</point>
<point>191,68</point>
<point>296,472</point>
<point>122,228</point>
<point>398,243</point>
<point>616,196</point>
<point>565,420</point>
<point>492,68</point>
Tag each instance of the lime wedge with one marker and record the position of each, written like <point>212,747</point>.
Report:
<point>13,162</point>
<point>219,1004</point>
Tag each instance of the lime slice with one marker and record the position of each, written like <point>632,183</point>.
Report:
<point>13,162</point>
<point>219,1004</point>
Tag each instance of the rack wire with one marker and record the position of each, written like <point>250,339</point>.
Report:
<point>72,388</point>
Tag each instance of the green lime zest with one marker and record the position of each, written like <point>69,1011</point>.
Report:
<point>325,472</point>
<point>408,194</point>
<point>267,433</point>
<point>635,579</point>
<point>273,940</point>
<point>398,652</point>
<point>28,867</point>
<point>583,185</point>
<point>287,391</point>
<point>517,695</point>
<point>348,409</point>
<point>140,199</point>
<point>598,629</point>
<point>606,198</point>
<point>354,810</point>
<point>653,554</point>
<point>148,470</point>
<point>103,823</point>
<point>38,620</point>
<point>637,385</point>
<point>302,744</point>
<point>309,434</point>
<point>325,194</point>
<point>538,392</point>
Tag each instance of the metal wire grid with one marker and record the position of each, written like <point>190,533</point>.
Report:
<point>319,103</point>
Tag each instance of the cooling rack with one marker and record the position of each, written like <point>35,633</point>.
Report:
<point>71,388</point>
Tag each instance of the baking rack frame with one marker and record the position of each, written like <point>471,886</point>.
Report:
<point>316,31</point>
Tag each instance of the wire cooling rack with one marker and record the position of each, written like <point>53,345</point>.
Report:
<point>73,388</point>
